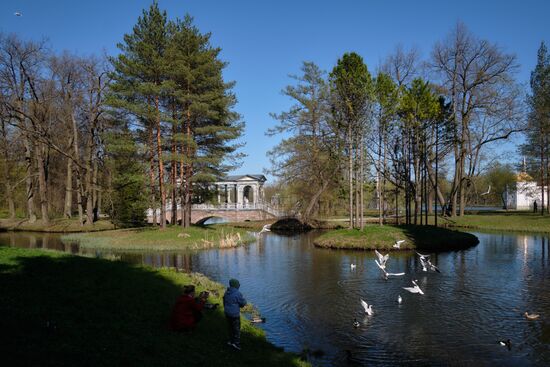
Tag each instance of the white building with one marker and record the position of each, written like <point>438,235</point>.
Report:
<point>523,194</point>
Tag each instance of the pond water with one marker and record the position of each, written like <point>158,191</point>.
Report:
<point>311,297</point>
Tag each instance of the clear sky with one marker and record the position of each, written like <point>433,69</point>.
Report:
<point>264,41</point>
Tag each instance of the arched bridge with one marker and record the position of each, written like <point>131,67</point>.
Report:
<point>200,213</point>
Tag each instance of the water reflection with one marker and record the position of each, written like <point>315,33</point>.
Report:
<point>310,297</point>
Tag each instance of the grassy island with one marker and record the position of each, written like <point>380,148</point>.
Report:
<point>383,238</point>
<point>170,239</point>
<point>64,310</point>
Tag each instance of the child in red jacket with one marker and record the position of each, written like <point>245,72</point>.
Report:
<point>187,311</point>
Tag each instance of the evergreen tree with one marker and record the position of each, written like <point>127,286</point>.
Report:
<point>126,195</point>
<point>139,79</point>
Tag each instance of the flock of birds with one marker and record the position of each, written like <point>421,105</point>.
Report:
<point>427,265</point>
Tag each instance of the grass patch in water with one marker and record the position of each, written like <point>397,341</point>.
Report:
<point>63,310</point>
<point>383,238</point>
<point>170,239</point>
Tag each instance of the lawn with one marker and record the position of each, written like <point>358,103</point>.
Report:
<point>502,221</point>
<point>170,239</point>
<point>63,310</point>
<point>378,237</point>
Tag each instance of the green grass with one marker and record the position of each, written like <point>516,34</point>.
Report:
<point>63,310</point>
<point>502,221</point>
<point>383,237</point>
<point>56,225</point>
<point>170,239</point>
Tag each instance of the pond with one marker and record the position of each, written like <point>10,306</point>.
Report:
<point>311,297</point>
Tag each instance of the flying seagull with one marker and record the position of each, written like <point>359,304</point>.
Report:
<point>486,192</point>
<point>382,259</point>
<point>367,307</point>
<point>415,289</point>
<point>432,266</point>
<point>399,299</point>
<point>18,14</point>
<point>397,244</point>
<point>386,274</point>
<point>266,228</point>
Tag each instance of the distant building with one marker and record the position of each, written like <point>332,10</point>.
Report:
<point>240,189</point>
<point>523,194</point>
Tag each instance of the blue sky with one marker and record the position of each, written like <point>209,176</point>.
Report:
<point>264,41</point>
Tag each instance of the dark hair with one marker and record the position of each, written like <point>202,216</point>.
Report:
<point>188,289</point>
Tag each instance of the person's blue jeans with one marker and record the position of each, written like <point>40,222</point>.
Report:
<point>234,328</point>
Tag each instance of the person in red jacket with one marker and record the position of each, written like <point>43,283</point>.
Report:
<point>187,310</point>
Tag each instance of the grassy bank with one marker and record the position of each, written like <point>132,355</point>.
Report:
<point>56,225</point>
<point>383,238</point>
<point>62,310</point>
<point>502,221</point>
<point>170,239</point>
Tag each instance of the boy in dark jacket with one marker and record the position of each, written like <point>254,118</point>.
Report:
<point>233,301</point>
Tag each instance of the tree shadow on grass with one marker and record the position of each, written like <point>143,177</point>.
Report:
<point>73,311</point>
<point>438,239</point>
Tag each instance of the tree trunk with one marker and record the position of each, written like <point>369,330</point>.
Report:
<point>29,182</point>
<point>160,167</point>
<point>67,212</point>
<point>152,173</point>
<point>42,183</point>
<point>350,164</point>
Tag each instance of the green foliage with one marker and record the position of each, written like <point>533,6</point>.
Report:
<point>127,192</point>
<point>501,177</point>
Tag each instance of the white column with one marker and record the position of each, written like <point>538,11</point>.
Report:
<point>239,194</point>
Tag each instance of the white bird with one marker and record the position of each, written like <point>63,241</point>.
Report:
<point>266,228</point>
<point>18,14</point>
<point>423,257</point>
<point>386,274</point>
<point>486,192</point>
<point>397,244</point>
<point>415,289</point>
<point>367,307</point>
<point>353,266</point>
<point>356,323</point>
<point>399,299</point>
<point>382,258</point>
<point>424,264</point>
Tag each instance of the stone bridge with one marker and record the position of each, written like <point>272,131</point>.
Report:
<point>200,213</point>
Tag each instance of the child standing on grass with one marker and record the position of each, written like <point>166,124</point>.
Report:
<point>233,301</point>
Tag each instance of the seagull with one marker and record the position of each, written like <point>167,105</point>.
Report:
<point>415,289</point>
<point>423,257</point>
<point>486,192</point>
<point>432,266</point>
<point>424,263</point>
<point>397,244</point>
<point>382,259</point>
<point>18,14</point>
<point>386,274</point>
<point>352,266</point>
<point>368,309</point>
<point>266,228</point>
<point>399,299</point>
<point>356,323</point>
<point>506,343</point>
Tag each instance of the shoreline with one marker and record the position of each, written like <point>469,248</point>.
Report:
<point>110,311</point>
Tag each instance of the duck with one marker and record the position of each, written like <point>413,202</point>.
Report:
<point>532,316</point>
<point>399,299</point>
<point>367,307</point>
<point>356,323</point>
<point>257,320</point>
<point>506,343</point>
